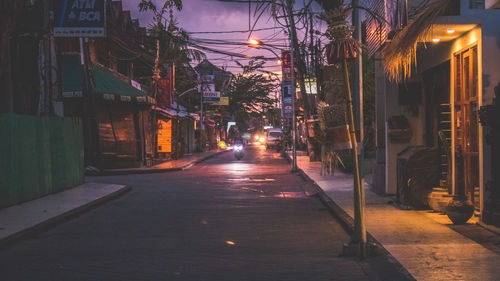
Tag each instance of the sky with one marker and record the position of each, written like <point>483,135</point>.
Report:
<point>212,15</point>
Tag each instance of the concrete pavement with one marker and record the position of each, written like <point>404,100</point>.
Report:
<point>424,243</point>
<point>22,219</point>
<point>223,219</point>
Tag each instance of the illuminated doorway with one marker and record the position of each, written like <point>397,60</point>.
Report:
<point>466,124</point>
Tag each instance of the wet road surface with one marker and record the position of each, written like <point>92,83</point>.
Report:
<point>222,219</point>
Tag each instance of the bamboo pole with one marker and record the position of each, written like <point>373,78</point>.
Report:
<point>359,224</point>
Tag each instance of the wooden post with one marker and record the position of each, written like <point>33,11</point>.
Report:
<point>359,224</point>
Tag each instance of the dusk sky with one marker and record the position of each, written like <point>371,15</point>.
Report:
<point>212,15</point>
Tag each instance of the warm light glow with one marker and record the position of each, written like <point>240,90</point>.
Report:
<point>450,31</point>
<point>256,137</point>
<point>230,242</point>
<point>435,40</point>
<point>279,62</point>
<point>262,140</point>
<point>254,42</point>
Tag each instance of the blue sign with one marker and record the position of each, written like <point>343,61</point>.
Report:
<point>287,94</point>
<point>80,18</point>
<point>211,99</point>
<point>287,89</point>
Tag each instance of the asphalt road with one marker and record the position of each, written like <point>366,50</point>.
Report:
<point>222,219</point>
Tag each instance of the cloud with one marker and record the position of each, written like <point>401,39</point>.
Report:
<point>197,14</point>
<point>213,15</point>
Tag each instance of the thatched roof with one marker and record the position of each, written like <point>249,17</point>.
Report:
<point>401,54</point>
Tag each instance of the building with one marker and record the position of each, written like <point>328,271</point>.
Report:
<point>109,91</point>
<point>436,68</point>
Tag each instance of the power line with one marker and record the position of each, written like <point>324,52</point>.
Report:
<point>230,31</point>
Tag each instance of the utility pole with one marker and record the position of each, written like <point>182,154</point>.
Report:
<point>156,81</point>
<point>91,139</point>
<point>202,124</point>
<point>300,63</point>
<point>294,117</point>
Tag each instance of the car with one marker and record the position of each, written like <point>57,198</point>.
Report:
<point>274,137</point>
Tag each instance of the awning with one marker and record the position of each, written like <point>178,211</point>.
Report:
<point>167,111</point>
<point>109,86</point>
<point>209,122</point>
<point>195,116</point>
<point>401,53</point>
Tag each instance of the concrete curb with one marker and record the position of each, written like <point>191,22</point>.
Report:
<point>13,238</point>
<point>347,223</point>
<point>198,161</point>
<point>156,170</point>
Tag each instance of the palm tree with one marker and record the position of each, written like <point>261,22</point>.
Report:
<point>173,41</point>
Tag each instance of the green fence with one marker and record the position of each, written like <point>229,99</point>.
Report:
<point>38,156</point>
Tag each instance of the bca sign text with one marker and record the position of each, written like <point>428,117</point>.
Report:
<point>80,18</point>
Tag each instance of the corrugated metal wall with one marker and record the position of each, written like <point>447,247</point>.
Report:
<point>385,16</point>
<point>38,156</point>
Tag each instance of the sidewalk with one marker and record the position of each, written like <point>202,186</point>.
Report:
<point>428,249</point>
<point>173,165</point>
<point>19,220</point>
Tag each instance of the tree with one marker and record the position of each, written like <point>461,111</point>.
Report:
<point>173,42</point>
<point>249,94</point>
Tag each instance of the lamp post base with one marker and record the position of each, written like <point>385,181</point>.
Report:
<point>359,249</point>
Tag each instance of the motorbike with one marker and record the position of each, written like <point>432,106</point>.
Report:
<point>238,151</point>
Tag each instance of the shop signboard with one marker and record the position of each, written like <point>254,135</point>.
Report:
<point>80,18</point>
<point>287,89</point>
<point>211,97</point>
<point>164,140</point>
<point>286,65</point>
<point>222,101</point>
<point>311,88</point>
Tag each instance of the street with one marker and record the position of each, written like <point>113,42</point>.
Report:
<point>222,219</point>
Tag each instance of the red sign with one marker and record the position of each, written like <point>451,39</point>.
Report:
<point>286,65</point>
<point>286,59</point>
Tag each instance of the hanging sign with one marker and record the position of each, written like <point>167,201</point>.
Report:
<point>80,18</point>
<point>286,65</point>
<point>287,91</point>
<point>211,97</point>
<point>222,101</point>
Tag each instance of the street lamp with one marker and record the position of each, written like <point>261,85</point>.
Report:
<point>255,43</point>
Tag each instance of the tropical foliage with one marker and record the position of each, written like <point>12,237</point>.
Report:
<point>249,93</point>
<point>173,44</point>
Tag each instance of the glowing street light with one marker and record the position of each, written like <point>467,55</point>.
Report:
<point>254,43</point>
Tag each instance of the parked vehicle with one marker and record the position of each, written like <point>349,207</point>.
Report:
<point>274,136</point>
